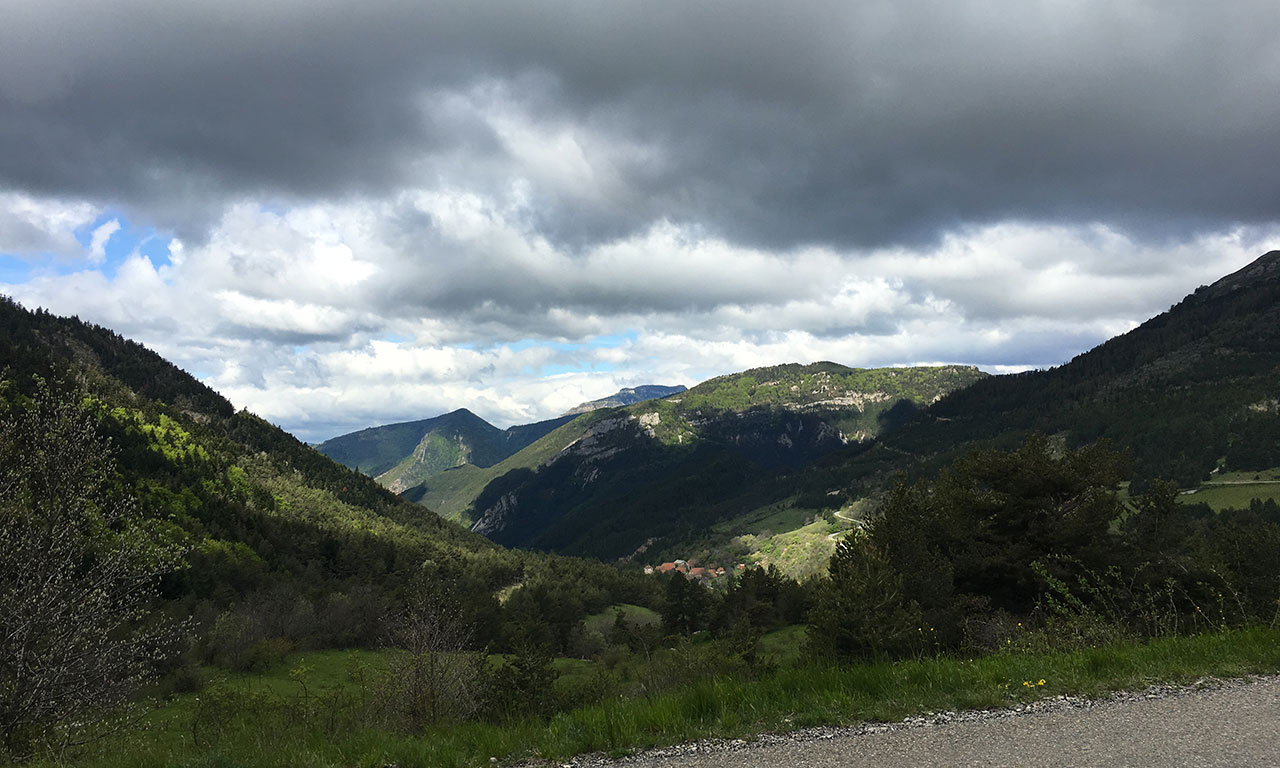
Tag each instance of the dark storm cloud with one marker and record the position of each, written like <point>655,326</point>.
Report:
<point>767,123</point>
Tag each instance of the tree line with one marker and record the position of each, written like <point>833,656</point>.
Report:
<point>115,579</point>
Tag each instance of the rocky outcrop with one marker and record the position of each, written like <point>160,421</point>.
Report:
<point>495,517</point>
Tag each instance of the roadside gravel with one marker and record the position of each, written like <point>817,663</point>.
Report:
<point>1210,723</point>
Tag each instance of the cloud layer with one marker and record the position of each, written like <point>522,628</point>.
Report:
<point>344,217</point>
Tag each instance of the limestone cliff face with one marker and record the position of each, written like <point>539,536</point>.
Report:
<point>495,518</point>
<point>604,439</point>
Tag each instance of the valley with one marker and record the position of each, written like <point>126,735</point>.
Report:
<point>756,465</point>
<point>759,421</point>
<point>929,514</point>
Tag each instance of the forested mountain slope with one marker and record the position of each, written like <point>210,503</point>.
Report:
<point>253,506</point>
<point>149,531</point>
<point>617,480</point>
<point>1188,391</point>
<point>402,455</point>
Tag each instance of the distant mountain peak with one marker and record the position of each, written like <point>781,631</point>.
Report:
<point>467,415</point>
<point>406,453</point>
<point>627,396</point>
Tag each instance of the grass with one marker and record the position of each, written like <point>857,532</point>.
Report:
<point>1227,490</point>
<point>1220,497</point>
<point>779,516</point>
<point>633,615</point>
<point>1266,475</point>
<point>798,554</point>
<point>782,646</point>
<point>275,731</point>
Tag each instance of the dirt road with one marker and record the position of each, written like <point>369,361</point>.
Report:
<point>1234,725</point>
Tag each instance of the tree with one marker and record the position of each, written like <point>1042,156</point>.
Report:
<point>861,610</point>
<point>78,576</point>
<point>984,520</point>
<point>683,612</point>
<point>955,554</point>
<point>433,675</point>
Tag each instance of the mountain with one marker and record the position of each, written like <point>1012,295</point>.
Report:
<point>754,465</point>
<point>614,479</point>
<point>377,449</point>
<point>627,396</point>
<point>254,508</point>
<point>1189,391</point>
<point>405,454</point>
<point>281,547</point>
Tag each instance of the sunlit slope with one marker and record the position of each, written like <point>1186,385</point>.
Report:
<point>251,504</point>
<point>664,468</point>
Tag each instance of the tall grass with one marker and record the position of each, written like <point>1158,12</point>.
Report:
<point>275,731</point>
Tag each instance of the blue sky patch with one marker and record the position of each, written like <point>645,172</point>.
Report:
<point>122,243</point>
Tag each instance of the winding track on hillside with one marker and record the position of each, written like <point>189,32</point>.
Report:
<point>1235,724</point>
<point>840,515</point>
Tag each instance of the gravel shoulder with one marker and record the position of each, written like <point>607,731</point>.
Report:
<point>1212,723</point>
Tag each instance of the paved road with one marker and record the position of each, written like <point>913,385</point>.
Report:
<point>1233,726</point>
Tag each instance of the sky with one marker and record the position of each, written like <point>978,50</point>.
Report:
<point>348,214</point>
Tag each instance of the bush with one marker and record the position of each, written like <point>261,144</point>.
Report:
<point>862,610</point>
<point>78,573</point>
<point>188,678</point>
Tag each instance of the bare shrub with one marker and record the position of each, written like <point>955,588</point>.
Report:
<point>433,675</point>
<point>78,574</point>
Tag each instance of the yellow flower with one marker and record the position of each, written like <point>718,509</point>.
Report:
<point>1026,683</point>
<point>1041,681</point>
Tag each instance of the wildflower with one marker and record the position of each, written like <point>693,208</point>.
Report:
<point>1041,681</point>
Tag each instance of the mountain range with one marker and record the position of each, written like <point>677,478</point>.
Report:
<point>742,466</point>
<point>743,460</point>
<point>614,481</point>
<point>405,454</point>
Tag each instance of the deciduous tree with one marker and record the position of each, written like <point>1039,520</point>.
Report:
<point>78,573</point>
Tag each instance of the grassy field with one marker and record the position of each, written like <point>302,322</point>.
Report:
<point>1220,497</point>
<point>798,553</point>
<point>279,719</point>
<point>782,646</point>
<point>1235,489</point>
<point>633,614</point>
<point>779,516</point>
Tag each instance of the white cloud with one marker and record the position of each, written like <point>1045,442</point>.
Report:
<point>32,226</point>
<point>98,243</point>
<point>328,318</point>
<point>428,206</point>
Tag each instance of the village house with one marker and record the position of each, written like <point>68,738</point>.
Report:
<point>693,572</point>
